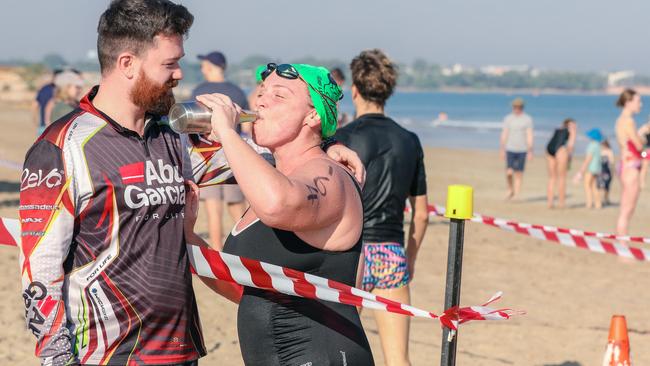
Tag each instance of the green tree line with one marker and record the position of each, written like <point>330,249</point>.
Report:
<point>420,74</point>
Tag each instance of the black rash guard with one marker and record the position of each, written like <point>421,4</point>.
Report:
<point>394,163</point>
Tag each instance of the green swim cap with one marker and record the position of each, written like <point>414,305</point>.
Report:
<point>324,93</point>
<point>258,73</point>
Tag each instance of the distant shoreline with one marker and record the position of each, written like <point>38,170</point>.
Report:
<point>525,91</point>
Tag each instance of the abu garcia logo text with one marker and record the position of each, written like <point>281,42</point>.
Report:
<point>159,179</point>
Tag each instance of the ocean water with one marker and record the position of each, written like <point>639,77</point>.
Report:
<point>474,119</point>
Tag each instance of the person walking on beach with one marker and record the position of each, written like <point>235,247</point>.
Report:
<point>591,168</point>
<point>558,156</point>
<point>631,147</point>
<point>213,67</point>
<point>104,265</point>
<point>395,162</point>
<point>516,146</point>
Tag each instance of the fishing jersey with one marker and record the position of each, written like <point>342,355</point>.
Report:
<point>104,266</point>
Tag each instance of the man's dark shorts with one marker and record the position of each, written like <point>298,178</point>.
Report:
<point>516,160</point>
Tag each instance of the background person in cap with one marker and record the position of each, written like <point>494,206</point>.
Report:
<point>591,167</point>
<point>306,214</point>
<point>516,146</point>
<point>213,67</point>
<point>68,90</point>
<point>394,160</point>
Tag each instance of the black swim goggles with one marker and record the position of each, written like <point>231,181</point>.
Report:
<point>287,71</point>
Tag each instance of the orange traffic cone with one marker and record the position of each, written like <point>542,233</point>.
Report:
<point>618,344</point>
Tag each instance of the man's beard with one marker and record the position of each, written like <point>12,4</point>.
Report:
<point>152,97</point>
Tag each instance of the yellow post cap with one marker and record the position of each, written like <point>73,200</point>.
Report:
<point>460,202</point>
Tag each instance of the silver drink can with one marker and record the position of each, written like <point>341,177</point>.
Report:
<point>194,117</point>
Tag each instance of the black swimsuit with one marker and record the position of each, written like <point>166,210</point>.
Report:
<point>277,329</point>
<point>559,139</point>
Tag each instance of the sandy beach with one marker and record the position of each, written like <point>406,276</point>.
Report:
<point>569,294</point>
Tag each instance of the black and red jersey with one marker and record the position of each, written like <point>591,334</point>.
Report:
<point>104,266</point>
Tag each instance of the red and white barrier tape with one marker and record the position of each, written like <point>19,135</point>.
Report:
<point>209,263</point>
<point>591,241</point>
<point>554,229</point>
<point>248,272</point>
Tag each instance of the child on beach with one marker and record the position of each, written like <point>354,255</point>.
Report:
<point>605,176</point>
<point>591,168</point>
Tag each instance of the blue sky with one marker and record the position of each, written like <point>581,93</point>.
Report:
<point>581,35</point>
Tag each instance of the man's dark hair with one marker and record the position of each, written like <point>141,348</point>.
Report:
<point>131,25</point>
<point>374,75</point>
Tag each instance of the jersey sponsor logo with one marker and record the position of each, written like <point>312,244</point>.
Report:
<point>53,178</point>
<point>132,173</point>
<point>38,207</point>
<point>156,216</point>
<point>34,293</point>
<point>100,303</point>
<point>163,184</point>
<point>32,233</point>
<point>28,220</point>
<point>99,268</point>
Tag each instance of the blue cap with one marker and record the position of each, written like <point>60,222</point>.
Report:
<point>216,58</point>
<point>595,134</point>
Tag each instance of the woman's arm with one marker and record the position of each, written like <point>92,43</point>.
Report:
<point>573,129</point>
<point>312,198</point>
<point>309,199</point>
<point>230,291</point>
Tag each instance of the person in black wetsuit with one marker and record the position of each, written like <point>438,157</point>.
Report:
<point>394,161</point>
<point>305,215</point>
<point>558,157</point>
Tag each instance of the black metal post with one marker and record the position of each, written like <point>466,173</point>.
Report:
<point>452,288</point>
